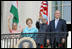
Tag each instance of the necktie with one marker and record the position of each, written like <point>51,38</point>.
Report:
<point>56,22</point>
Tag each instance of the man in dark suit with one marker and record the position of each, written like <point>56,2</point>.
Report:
<point>58,25</point>
<point>42,27</point>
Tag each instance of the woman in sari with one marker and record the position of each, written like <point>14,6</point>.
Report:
<point>13,30</point>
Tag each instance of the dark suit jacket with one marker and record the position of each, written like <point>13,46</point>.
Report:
<point>42,29</point>
<point>61,27</point>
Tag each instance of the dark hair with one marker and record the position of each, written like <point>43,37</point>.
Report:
<point>28,20</point>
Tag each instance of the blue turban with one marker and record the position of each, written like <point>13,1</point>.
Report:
<point>44,16</point>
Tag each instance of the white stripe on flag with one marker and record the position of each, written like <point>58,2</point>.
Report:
<point>15,3</point>
<point>44,5</point>
<point>44,2</point>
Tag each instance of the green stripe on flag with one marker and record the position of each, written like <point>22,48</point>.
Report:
<point>14,11</point>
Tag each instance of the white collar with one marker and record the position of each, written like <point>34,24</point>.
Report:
<point>56,19</point>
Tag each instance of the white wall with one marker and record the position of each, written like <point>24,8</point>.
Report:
<point>26,9</point>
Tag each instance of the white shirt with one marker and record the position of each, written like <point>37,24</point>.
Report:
<point>56,22</point>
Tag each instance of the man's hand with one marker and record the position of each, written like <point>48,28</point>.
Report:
<point>48,41</point>
<point>63,40</point>
<point>40,17</point>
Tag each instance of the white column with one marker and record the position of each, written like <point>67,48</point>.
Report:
<point>69,40</point>
<point>50,9</point>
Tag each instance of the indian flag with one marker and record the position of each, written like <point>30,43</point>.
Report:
<point>14,11</point>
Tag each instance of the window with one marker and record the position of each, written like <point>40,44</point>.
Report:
<point>67,11</point>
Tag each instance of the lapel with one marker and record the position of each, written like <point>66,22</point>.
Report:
<point>54,23</point>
